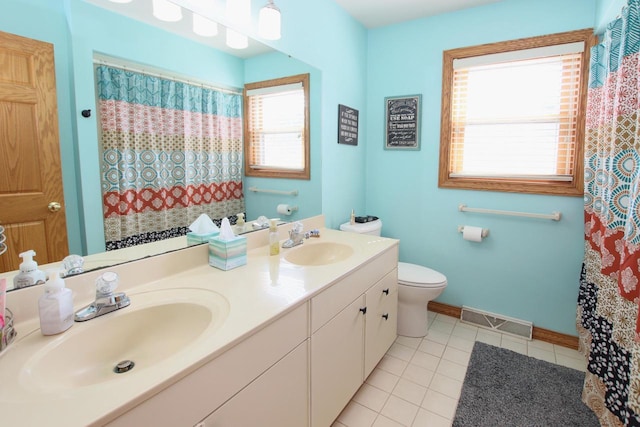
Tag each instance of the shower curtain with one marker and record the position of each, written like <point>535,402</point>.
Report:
<point>170,151</point>
<point>609,295</point>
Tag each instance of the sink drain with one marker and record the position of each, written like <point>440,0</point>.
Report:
<point>124,366</point>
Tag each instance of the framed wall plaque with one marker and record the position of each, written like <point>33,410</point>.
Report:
<point>402,122</point>
<point>347,125</point>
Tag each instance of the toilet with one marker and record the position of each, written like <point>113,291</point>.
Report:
<point>417,285</point>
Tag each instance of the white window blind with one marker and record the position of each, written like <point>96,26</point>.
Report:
<point>276,117</point>
<point>514,115</point>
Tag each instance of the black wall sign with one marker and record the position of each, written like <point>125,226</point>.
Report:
<point>347,125</point>
<point>402,130</point>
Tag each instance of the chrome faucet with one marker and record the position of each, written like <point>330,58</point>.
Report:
<point>106,300</point>
<point>296,236</point>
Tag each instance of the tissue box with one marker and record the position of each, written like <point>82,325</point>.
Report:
<point>196,239</point>
<point>227,254</point>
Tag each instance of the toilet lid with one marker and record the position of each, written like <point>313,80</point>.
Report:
<point>417,275</point>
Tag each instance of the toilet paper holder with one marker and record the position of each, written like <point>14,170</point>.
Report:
<point>485,231</point>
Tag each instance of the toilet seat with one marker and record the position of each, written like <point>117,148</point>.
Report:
<point>419,276</point>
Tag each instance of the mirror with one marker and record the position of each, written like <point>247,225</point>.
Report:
<point>90,33</point>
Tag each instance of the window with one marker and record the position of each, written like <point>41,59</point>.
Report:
<point>513,115</point>
<point>276,137</point>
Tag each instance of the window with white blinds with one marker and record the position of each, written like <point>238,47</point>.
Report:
<point>277,128</point>
<point>515,115</point>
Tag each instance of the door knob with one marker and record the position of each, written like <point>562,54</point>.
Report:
<point>54,207</point>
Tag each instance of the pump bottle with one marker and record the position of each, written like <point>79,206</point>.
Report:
<point>29,274</point>
<point>55,306</point>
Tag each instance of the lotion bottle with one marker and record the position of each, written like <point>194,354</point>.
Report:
<point>274,242</point>
<point>29,274</point>
<point>55,306</point>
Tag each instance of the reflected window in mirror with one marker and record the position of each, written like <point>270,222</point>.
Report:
<point>276,128</point>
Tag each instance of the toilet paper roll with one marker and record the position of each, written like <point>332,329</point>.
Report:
<point>284,209</point>
<point>472,234</point>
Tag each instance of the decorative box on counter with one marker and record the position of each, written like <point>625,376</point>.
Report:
<point>227,254</point>
<point>196,238</point>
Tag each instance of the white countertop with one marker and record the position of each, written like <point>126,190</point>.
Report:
<point>257,294</point>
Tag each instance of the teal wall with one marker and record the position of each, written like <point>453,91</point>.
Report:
<point>607,11</point>
<point>527,268</point>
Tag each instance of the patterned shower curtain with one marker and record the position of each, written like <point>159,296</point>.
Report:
<point>609,295</point>
<point>170,152</point>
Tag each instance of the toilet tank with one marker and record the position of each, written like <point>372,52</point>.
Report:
<point>372,227</point>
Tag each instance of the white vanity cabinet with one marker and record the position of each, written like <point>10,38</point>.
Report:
<point>353,324</point>
<point>279,397</point>
<point>271,364</point>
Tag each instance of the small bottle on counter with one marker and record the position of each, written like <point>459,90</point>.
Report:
<point>274,242</point>
<point>55,306</point>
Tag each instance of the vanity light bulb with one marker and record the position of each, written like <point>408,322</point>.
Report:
<point>164,10</point>
<point>269,22</point>
<point>204,27</point>
<point>235,40</point>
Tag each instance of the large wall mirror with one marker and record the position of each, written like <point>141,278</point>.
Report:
<point>84,32</point>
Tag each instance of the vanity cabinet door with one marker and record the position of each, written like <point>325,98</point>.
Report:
<point>337,363</point>
<point>381,321</point>
<point>277,398</point>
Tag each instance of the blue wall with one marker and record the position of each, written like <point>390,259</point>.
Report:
<point>527,268</point>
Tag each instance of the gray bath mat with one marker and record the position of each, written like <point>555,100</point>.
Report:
<point>505,388</point>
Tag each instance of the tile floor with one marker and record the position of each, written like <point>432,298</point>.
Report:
<point>418,382</point>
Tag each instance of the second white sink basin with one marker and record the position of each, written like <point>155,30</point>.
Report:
<point>322,253</point>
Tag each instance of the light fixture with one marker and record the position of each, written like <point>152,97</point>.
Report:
<point>164,10</point>
<point>204,27</point>
<point>269,22</point>
<point>235,40</point>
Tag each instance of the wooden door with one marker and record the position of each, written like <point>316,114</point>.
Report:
<point>30,171</point>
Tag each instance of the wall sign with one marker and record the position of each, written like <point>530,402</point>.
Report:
<point>402,124</point>
<point>347,125</point>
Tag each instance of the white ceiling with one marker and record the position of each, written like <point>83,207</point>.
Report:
<point>379,13</point>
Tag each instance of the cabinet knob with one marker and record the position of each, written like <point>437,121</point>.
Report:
<point>385,291</point>
<point>385,316</point>
<point>364,310</point>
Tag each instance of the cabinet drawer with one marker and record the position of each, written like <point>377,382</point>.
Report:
<point>335,298</point>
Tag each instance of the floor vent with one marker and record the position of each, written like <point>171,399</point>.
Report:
<point>497,322</point>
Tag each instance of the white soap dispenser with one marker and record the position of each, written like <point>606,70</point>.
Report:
<point>55,306</point>
<point>29,274</point>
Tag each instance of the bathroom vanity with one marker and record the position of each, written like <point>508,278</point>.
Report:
<point>283,341</point>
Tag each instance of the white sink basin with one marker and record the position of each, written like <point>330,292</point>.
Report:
<point>158,325</point>
<point>322,253</point>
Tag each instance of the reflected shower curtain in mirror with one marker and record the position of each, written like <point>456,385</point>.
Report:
<point>170,151</point>
<point>609,283</point>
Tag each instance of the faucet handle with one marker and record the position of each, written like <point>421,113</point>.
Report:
<point>107,283</point>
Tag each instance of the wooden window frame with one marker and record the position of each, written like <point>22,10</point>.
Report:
<point>278,173</point>
<point>573,188</point>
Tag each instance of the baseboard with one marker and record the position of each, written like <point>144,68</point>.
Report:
<point>541,334</point>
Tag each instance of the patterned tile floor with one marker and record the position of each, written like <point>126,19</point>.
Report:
<point>418,382</point>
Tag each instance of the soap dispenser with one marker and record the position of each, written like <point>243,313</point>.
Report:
<point>29,274</point>
<point>55,306</point>
<point>274,241</point>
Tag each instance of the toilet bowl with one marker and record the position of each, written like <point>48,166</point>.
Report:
<point>417,285</point>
